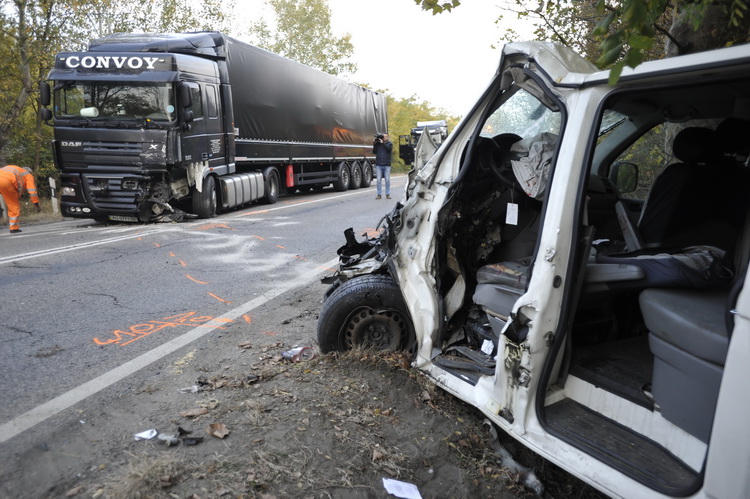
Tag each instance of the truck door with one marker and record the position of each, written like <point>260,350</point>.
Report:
<point>214,130</point>
<point>194,140</point>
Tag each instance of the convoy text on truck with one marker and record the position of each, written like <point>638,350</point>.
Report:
<point>572,261</point>
<point>144,121</point>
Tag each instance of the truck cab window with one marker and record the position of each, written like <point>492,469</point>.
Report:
<point>197,102</point>
<point>211,102</point>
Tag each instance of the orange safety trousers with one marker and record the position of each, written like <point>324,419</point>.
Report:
<point>13,181</point>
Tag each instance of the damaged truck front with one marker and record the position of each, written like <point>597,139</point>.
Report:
<point>572,262</point>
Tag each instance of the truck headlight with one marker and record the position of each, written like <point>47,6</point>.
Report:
<point>68,191</point>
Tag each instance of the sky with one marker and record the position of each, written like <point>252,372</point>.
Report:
<point>445,60</point>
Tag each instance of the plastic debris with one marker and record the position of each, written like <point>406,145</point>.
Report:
<point>401,489</point>
<point>299,354</point>
<point>189,389</point>
<point>168,439</point>
<point>145,435</point>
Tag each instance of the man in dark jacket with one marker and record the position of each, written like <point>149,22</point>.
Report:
<point>382,148</point>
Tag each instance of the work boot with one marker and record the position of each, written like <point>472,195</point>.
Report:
<point>388,196</point>
<point>15,231</point>
<point>378,196</point>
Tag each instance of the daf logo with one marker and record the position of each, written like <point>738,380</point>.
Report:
<point>109,61</point>
<point>71,144</point>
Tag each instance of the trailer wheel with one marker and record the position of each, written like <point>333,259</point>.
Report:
<point>366,174</point>
<point>365,312</point>
<point>344,178</point>
<point>271,186</point>
<point>205,203</point>
<point>356,181</point>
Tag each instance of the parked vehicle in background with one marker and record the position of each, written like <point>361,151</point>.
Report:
<point>573,262</point>
<point>407,144</point>
<point>145,121</point>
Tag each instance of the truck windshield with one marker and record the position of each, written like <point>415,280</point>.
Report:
<point>114,101</point>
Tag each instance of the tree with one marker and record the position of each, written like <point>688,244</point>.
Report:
<point>629,32</point>
<point>303,33</point>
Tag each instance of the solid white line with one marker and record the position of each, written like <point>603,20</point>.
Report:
<point>62,402</point>
<point>73,247</point>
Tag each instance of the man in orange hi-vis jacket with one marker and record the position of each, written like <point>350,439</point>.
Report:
<point>13,181</point>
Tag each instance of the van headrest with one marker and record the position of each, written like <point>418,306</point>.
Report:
<point>697,145</point>
<point>734,134</point>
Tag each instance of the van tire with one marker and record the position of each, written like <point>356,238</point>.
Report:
<point>365,312</point>
<point>205,203</point>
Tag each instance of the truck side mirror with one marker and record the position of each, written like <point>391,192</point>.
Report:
<point>186,98</point>
<point>187,116</point>
<point>44,94</point>
<point>624,176</point>
<point>45,114</point>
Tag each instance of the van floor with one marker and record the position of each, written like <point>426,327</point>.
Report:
<point>623,367</point>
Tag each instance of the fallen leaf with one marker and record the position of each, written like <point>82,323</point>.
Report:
<point>217,430</point>
<point>194,413</point>
<point>377,455</point>
<point>245,345</point>
<point>75,491</point>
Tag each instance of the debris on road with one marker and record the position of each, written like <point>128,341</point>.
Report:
<point>299,354</point>
<point>145,435</point>
<point>217,430</point>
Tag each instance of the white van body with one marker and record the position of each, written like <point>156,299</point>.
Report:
<point>597,317</point>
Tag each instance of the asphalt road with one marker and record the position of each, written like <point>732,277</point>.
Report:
<point>85,305</point>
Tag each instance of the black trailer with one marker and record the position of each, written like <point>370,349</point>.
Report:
<point>145,122</point>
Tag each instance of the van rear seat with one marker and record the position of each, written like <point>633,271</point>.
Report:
<point>689,339</point>
<point>689,335</point>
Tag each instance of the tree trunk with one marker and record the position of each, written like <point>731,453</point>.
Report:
<point>714,32</point>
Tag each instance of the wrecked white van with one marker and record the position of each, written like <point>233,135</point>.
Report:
<point>571,262</point>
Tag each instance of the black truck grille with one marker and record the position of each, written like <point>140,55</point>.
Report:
<point>107,193</point>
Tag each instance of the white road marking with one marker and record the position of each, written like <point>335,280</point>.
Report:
<point>72,247</point>
<point>31,418</point>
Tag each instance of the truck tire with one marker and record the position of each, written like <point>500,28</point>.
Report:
<point>271,186</point>
<point>344,178</point>
<point>356,180</point>
<point>365,312</point>
<point>205,203</point>
<point>366,174</point>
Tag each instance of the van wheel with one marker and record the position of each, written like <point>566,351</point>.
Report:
<point>365,312</point>
<point>356,180</point>
<point>342,182</point>
<point>271,186</point>
<point>366,174</point>
<point>205,203</point>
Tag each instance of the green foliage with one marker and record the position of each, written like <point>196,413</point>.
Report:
<point>436,6</point>
<point>403,115</point>
<point>303,33</point>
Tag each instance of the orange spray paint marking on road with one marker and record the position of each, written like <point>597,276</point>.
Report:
<point>183,263</point>
<point>194,279</point>
<point>157,245</point>
<point>215,226</point>
<point>171,253</point>
<point>220,299</point>
<point>269,333</point>
<point>139,331</point>
<point>295,202</point>
<point>247,318</point>
<point>259,237</point>
<point>300,258</point>
<point>257,212</point>
<point>280,246</point>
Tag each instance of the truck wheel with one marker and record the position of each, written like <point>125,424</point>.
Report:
<point>205,203</point>
<point>342,182</point>
<point>356,180</point>
<point>366,174</point>
<point>365,312</point>
<point>271,186</point>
